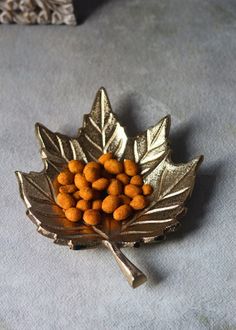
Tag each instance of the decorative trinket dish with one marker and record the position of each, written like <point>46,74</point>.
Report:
<point>101,133</point>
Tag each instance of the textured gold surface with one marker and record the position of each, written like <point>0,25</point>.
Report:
<point>101,132</point>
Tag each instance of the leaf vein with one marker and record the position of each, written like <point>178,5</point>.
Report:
<point>92,142</point>
<point>36,186</point>
<point>94,124</point>
<point>50,139</point>
<point>111,139</point>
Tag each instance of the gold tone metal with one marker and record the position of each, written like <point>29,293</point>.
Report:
<point>134,276</point>
<point>101,132</point>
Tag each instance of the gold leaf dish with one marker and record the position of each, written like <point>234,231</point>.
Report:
<point>101,133</point>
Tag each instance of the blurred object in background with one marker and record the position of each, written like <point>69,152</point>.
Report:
<point>69,12</point>
<point>37,12</point>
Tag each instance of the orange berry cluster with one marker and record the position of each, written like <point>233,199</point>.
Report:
<point>108,186</point>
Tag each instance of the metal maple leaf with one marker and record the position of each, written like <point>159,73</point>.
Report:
<point>101,132</point>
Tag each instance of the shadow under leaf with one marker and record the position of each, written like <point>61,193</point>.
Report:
<point>198,204</point>
<point>128,115</point>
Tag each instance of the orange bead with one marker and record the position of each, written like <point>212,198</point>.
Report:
<point>138,202</point>
<point>73,214</point>
<point>86,193</point>
<point>83,205</point>
<point>65,201</point>
<point>80,181</point>
<point>131,190</point>
<point>97,204</point>
<point>147,189</point>
<point>130,167</point>
<point>115,187</point>
<point>92,164</point>
<point>92,173</point>
<point>76,166</point>
<point>124,178</point>
<point>137,180</point>
<point>68,189</point>
<point>103,158</point>
<point>113,166</point>
<point>110,203</point>
<point>65,178</point>
<point>122,212</point>
<point>100,184</point>
<point>92,217</point>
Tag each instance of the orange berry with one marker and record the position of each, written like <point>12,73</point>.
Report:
<point>97,204</point>
<point>132,190</point>
<point>100,184</point>
<point>65,201</point>
<point>115,187</point>
<point>76,166</point>
<point>125,199</point>
<point>86,193</point>
<point>80,181</point>
<point>130,167</point>
<point>113,166</point>
<point>110,203</point>
<point>65,177</point>
<point>138,202</point>
<point>83,205</point>
<point>92,217</point>
<point>124,178</point>
<point>122,212</point>
<point>147,189</point>
<point>103,158</point>
<point>73,214</point>
<point>68,189</point>
<point>137,180</point>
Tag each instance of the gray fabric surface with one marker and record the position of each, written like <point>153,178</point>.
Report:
<point>154,57</point>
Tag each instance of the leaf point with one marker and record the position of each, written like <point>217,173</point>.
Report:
<point>102,90</point>
<point>167,120</point>
<point>100,96</point>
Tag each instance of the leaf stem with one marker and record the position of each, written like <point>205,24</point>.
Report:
<point>133,275</point>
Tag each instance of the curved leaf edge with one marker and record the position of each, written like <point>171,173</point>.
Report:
<point>43,149</point>
<point>166,119</point>
<point>68,239</point>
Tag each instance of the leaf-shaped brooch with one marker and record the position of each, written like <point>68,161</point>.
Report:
<point>101,133</point>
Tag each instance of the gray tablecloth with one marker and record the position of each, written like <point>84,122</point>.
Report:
<point>154,57</point>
